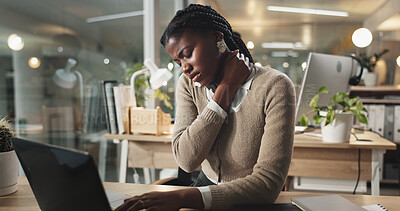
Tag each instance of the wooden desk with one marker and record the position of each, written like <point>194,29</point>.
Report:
<point>24,200</point>
<point>311,156</point>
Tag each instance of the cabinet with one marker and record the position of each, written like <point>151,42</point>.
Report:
<point>388,98</point>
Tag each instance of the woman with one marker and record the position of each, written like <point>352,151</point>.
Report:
<point>234,119</point>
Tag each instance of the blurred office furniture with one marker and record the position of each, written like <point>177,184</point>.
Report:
<point>386,98</point>
<point>311,157</point>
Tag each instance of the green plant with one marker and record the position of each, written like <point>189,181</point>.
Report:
<point>370,62</point>
<point>340,102</point>
<point>6,132</point>
<point>142,82</point>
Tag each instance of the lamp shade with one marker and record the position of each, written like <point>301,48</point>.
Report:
<point>158,77</point>
<point>66,78</point>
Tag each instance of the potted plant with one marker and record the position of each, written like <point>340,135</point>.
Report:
<point>8,160</point>
<point>369,62</point>
<point>336,118</point>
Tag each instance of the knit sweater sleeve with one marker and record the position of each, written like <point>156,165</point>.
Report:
<point>194,134</point>
<point>269,173</point>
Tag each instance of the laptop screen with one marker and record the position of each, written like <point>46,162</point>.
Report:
<point>61,179</point>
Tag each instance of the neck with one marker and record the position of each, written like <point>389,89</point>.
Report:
<point>221,63</point>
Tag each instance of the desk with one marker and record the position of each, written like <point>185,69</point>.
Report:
<point>311,156</point>
<point>24,200</point>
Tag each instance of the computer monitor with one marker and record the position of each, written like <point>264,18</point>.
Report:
<point>331,71</point>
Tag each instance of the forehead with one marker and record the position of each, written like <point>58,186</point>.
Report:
<point>176,42</point>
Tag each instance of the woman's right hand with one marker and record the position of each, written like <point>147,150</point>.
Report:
<point>234,73</point>
<point>235,69</point>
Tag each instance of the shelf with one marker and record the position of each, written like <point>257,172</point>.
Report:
<point>380,101</point>
<point>363,91</point>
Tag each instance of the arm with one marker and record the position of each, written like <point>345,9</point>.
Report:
<point>270,171</point>
<point>164,201</point>
<point>194,134</point>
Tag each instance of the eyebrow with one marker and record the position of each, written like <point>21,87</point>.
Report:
<point>180,53</point>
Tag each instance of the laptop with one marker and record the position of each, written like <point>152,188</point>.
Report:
<point>64,179</point>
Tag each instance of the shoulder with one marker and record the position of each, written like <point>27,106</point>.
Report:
<point>268,77</point>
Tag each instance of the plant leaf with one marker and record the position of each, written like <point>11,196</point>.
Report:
<point>318,119</point>
<point>354,100</point>
<point>314,101</point>
<point>361,117</point>
<point>338,97</point>
<point>322,90</point>
<point>330,117</point>
<point>304,120</point>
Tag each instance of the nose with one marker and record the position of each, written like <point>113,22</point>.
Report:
<point>186,68</point>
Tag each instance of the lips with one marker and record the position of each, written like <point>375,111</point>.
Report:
<point>195,76</point>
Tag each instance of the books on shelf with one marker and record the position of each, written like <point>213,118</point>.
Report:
<point>109,105</point>
<point>384,120</point>
<point>122,104</point>
<point>396,127</point>
<point>94,119</point>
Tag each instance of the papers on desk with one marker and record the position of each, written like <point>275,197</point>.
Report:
<point>326,203</point>
<point>374,207</point>
<point>299,129</point>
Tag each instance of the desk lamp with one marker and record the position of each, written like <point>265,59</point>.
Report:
<point>158,78</point>
<point>66,78</point>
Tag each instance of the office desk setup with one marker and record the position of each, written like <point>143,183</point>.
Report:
<point>311,156</point>
<point>24,200</point>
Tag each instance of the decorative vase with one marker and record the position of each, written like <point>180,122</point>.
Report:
<point>339,130</point>
<point>370,78</point>
<point>8,172</point>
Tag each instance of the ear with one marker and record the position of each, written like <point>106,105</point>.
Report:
<point>218,35</point>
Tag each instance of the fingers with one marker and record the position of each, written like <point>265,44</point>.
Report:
<point>131,204</point>
<point>245,59</point>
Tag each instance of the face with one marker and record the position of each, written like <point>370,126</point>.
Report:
<point>197,54</point>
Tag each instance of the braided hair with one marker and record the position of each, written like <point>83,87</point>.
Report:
<point>203,19</point>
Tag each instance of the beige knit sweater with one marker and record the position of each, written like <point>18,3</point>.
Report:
<point>249,153</point>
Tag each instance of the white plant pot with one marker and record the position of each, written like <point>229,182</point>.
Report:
<point>8,172</point>
<point>370,78</point>
<point>339,130</point>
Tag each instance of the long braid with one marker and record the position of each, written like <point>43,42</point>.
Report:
<point>203,19</point>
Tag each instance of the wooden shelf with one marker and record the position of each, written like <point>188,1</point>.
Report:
<point>380,101</point>
<point>364,91</point>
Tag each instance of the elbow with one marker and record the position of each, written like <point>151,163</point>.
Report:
<point>187,166</point>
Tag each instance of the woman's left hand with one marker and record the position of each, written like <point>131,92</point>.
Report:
<point>164,201</point>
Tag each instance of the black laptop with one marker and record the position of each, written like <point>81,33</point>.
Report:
<point>63,179</point>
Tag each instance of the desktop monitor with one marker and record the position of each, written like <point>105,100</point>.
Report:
<point>331,71</point>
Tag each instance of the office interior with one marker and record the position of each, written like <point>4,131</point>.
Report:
<point>107,39</point>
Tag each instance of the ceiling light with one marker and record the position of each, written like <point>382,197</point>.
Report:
<point>15,42</point>
<point>304,65</point>
<point>34,62</point>
<point>308,11</point>
<point>106,61</point>
<point>284,45</point>
<point>114,16</point>
<point>284,54</point>
<point>398,61</point>
<point>170,66</point>
<point>285,64</point>
<point>250,45</point>
<point>362,37</point>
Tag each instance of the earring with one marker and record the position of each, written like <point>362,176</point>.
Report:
<point>221,46</point>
